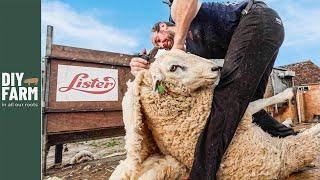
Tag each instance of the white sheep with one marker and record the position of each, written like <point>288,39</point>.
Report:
<point>162,128</point>
<point>81,157</point>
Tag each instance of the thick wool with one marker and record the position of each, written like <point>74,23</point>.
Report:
<point>162,128</point>
<point>176,120</point>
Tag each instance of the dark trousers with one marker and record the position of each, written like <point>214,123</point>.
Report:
<point>248,64</point>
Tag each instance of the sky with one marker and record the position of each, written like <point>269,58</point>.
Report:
<point>124,26</point>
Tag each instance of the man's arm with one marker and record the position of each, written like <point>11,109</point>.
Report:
<point>183,12</point>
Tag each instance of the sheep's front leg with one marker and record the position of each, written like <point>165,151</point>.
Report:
<point>159,167</point>
<point>123,171</point>
<point>155,167</point>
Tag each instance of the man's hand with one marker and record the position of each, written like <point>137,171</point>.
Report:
<point>137,64</point>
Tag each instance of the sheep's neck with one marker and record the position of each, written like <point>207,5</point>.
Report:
<point>176,120</point>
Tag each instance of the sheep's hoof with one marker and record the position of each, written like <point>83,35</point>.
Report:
<point>289,93</point>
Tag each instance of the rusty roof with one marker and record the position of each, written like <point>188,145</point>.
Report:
<point>89,55</point>
<point>306,72</point>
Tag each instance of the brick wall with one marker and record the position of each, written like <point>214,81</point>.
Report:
<point>312,104</point>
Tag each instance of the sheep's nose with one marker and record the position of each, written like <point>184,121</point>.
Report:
<point>215,69</point>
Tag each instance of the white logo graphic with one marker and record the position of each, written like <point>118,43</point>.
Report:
<point>77,83</point>
<point>278,21</point>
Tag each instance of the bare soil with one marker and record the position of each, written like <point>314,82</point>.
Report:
<point>108,152</point>
<point>100,148</point>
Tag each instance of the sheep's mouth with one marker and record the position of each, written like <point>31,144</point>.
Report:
<point>213,79</point>
<point>208,81</point>
<point>210,77</point>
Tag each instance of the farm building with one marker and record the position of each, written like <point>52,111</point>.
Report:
<point>306,107</point>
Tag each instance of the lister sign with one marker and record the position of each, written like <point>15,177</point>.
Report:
<point>77,83</point>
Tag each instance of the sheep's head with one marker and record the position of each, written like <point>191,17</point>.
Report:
<point>184,69</point>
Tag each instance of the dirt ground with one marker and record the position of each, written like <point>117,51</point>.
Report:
<point>108,152</point>
<point>100,148</point>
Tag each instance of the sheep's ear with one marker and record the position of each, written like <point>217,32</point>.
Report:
<point>156,75</point>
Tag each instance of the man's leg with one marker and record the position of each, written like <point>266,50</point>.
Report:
<point>272,126</point>
<point>262,118</point>
<point>252,48</point>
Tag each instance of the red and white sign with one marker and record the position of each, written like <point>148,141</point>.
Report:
<point>77,83</point>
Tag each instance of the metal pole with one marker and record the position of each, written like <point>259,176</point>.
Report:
<point>49,40</point>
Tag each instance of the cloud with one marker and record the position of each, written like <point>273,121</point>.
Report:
<point>299,18</point>
<point>83,30</point>
<point>301,26</point>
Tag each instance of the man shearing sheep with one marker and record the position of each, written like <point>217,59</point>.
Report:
<point>248,36</point>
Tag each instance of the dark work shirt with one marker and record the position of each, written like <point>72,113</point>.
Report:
<point>211,30</point>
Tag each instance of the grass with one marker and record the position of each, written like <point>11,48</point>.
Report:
<point>109,144</point>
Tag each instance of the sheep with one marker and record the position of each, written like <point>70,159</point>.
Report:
<point>81,157</point>
<point>166,107</point>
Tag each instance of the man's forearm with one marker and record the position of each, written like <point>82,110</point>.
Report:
<point>183,12</point>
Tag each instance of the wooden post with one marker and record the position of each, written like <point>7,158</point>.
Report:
<point>274,91</point>
<point>45,149</point>
<point>45,145</point>
<point>58,154</point>
<point>300,106</point>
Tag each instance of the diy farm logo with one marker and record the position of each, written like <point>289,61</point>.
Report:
<point>16,87</point>
<point>77,83</point>
<point>18,90</point>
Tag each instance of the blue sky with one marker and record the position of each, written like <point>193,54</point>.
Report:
<point>124,26</point>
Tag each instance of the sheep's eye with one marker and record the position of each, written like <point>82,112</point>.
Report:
<point>173,68</point>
